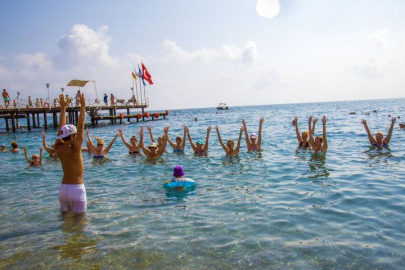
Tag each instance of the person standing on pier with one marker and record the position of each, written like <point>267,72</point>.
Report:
<point>112,99</point>
<point>6,98</point>
<point>77,98</point>
<point>72,193</point>
<point>105,99</point>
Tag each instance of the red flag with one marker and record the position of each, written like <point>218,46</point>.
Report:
<point>146,76</point>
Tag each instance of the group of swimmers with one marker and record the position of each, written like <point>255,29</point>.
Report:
<point>69,140</point>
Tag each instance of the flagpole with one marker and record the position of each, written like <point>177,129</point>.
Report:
<point>140,86</point>
<point>136,87</point>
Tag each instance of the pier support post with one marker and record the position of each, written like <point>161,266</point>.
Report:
<point>129,119</point>
<point>55,121</point>
<point>45,121</point>
<point>12,121</point>
<point>39,123</point>
<point>28,122</point>
<point>76,116</point>
<point>7,125</point>
<point>34,124</point>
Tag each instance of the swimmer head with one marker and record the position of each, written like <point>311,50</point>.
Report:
<point>35,159</point>
<point>401,125</point>
<point>379,136</point>
<point>318,140</point>
<point>305,135</point>
<point>230,144</point>
<point>68,132</point>
<point>3,147</point>
<point>179,140</point>
<point>153,147</point>
<point>178,171</point>
<point>200,144</point>
<point>253,137</point>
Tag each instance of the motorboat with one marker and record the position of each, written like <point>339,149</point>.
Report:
<point>222,106</point>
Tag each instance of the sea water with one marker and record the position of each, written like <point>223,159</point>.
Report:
<point>277,209</point>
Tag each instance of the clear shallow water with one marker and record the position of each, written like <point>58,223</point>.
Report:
<point>278,209</point>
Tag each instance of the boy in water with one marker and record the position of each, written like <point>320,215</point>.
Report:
<point>3,148</point>
<point>51,150</point>
<point>72,193</point>
<point>36,161</point>
<point>14,147</point>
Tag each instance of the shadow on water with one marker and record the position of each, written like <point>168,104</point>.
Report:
<point>379,154</point>
<point>78,243</point>
<point>317,167</point>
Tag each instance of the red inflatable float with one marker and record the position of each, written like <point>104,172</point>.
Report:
<point>139,116</point>
<point>147,115</point>
<point>167,112</point>
<point>157,115</point>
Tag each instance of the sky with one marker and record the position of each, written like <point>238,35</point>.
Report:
<point>201,53</point>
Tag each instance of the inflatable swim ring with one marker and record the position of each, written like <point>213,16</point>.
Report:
<point>179,184</point>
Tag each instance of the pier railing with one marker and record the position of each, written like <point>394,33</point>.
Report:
<point>53,103</point>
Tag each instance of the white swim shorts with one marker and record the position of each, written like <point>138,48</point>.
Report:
<point>73,198</point>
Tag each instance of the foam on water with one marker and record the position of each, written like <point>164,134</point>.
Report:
<point>278,209</point>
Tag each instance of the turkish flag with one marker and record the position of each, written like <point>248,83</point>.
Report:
<point>146,76</point>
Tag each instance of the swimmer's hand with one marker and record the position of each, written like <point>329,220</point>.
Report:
<point>82,100</point>
<point>43,134</point>
<point>242,128</point>
<point>208,129</point>
<point>216,128</point>
<point>261,121</point>
<point>393,120</point>
<point>119,133</point>
<point>315,121</point>
<point>62,101</point>
<point>41,149</point>
<point>310,119</point>
<point>364,122</point>
<point>294,121</point>
<point>324,120</point>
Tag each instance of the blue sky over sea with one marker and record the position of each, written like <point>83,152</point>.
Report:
<point>200,53</point>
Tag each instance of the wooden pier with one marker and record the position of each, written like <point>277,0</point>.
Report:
<point>34,115</point>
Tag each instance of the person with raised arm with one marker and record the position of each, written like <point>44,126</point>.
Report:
<point>99,151</point>
<point>160,143</point>
<point>229,147</point>
<point>199,148</point>
<point>153,152</point>
<point>133,147</point>
<point>180,143</point>
<point>72,192</point>
<point>320,144</point>
<point>36,161</point>
<point>51,151</point>
<point>379,141</point>
<point>303,138</point>
<point>251,143</point>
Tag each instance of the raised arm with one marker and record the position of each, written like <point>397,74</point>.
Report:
<point>141,144</point>
<point>62,115</point>
<point>314,121</point>
<point>78,142</point>
<point>207,139</point>
<point>150,133</point>
<point>169,141</point>
<point>388,138</point>
<point>246,134</point>
<point>123,138</point>
<point>259,140</point>
<point>190,140</point>
<point>220,140</point>
<point>89,139</point>
<point>239,140</point>
<point>47,149</point>
<point>311,134</point>
<point>26,155</point>
<point>110,144</point>
<point>183,144</point>
<point>370,136</point>
<point>324,140</point>
<point>297,131</point>
<point>40,155</point>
